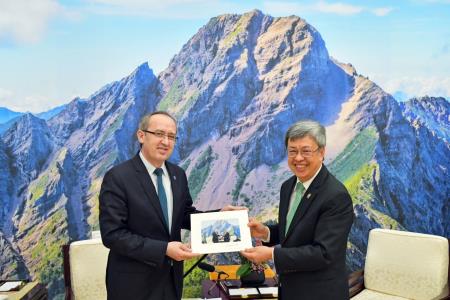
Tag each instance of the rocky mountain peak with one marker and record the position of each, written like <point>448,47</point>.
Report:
<point>30,142</point>
<point>68,120</point>
<point>235,87</point>
<point>7,114</point>
<point>11,264</point>
<point>238,68</point>
<point>5,183</point>
<point>26,127</point>
<point>141,76</point>
<point>28,122</point>
<point>432,112</point>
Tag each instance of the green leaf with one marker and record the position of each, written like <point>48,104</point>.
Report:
<point>243,270</point>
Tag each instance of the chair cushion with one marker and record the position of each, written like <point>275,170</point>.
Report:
<point>373,295</point>
<point>406,264</point>
<point>88,269</point>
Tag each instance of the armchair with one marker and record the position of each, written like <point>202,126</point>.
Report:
<point>85,269</point>
<point>402,265</point>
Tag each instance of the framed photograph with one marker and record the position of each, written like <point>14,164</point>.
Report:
<point>219,232</point>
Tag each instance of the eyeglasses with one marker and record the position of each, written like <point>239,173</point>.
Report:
<point>305,152</point>
<point>161,135</point>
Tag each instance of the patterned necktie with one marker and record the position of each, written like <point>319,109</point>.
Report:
<point>162,194</point>
<point>299,189</point>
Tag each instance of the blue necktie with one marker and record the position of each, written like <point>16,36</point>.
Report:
<point>162,194</point>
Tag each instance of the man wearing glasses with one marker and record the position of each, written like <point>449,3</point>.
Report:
<point>314,220</point>
<point>144,203</point>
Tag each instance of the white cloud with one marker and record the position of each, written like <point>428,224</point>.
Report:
<point>5,94</point>
<point>6,98</point>
<point>338,8</point>
<point>16,102</point>
<point>282,8</point>
<point>382,11</point>
<point>36,104</point>
<point>417,86</point>
<point>129,6</point>
<point>147,3</point>
<point>186,9</point>
<point>26,21</point>
<point>434,1</point>
<point>170,9</point>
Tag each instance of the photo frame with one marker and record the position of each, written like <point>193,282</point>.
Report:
<point>220,232</point>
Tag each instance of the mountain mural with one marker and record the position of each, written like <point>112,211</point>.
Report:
<point>235,87</point>
<point>221,227</point>
<point>9,117</point>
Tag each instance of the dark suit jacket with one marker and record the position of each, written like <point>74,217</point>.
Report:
<point>310,260</point>
<point>133,228</point>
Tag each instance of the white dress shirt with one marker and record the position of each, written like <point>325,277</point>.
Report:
<point>166,183</point>
<point>306,185</point>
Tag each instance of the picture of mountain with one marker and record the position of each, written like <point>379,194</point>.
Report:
<point>234,87</point>
<point>220,231</point>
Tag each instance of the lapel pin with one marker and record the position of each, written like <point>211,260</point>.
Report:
<point>174,177</point>
<point>307,196</point>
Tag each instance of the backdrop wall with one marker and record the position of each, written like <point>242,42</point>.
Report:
<point>235,87</point>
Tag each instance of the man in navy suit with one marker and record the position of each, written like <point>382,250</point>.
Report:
<point>314,220</point>
<point>144,203</point>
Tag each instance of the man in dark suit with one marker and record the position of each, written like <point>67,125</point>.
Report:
<point>144,203</point>
<point>314,220</point>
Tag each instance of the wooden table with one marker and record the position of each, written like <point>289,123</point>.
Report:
<point>211,289</point>
<point>30,291</point>
<point>231,271</point>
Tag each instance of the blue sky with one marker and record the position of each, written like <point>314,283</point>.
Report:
<point>52,51</point>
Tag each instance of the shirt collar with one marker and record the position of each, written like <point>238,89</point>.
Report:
<point>307,183</point>
<point>150,168</point>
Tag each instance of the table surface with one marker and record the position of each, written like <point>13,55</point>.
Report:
<point>231,271</point>
<point>210,289</point>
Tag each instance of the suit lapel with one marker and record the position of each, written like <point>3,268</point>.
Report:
<point>307,199</point>
<point>148,187</point>
<point>285,198</point>
<point>176,192</point>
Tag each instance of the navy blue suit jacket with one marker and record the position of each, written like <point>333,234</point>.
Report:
<point>310,260</point>
<point>133,228</point>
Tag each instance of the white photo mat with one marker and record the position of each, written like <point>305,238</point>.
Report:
<point>219,232</point>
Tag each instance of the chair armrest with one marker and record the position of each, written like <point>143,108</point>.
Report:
<point>355,282</point>
<point>448,281</point>
<point>68,294</point>
<point>67,281</point>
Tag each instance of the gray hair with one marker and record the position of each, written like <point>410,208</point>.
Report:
<point>145,119</point>
<point>304,128</point>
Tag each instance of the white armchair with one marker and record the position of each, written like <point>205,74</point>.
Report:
<point>403,265</point>
<point>85,269</point>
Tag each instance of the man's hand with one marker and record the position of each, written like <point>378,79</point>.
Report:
<point>231,207</point>
<point>179,251</point>
<point>257,229</point>
<point>258,254</point>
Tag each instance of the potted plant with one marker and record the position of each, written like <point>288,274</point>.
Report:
<point>250,273</point>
